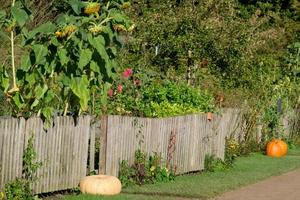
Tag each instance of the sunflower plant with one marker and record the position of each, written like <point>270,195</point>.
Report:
<point>66,61</point>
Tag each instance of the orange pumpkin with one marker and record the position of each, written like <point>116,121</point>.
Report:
<point>277,148</point>
<point>284,147</point>
<point>100,185</point>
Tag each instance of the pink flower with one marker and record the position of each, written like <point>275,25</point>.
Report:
<point>110,92</point>
<point>137,82</point>
<point>127,72</point>
<point>120,88</point>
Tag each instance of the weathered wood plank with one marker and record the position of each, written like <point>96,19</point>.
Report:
<point>11,149</point>
<point>103,146</point>
<point>92,148</point>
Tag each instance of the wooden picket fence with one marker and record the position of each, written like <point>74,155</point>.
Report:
<point>183,140</point>
<point>67,149</point>
<point>62,149</point>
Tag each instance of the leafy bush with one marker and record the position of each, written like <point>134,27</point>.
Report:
<point>271,120</point>
<point>170,99</point>
<point>125,93</point>
<point>18,190</point>
<point>288,7</point>
<point>144,170</point>
<point>126,174</point>
<point>212,164</point>
<point>232,151</point>
<point>251,146</point>
<point>135,96</point>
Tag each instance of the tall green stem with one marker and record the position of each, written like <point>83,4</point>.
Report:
<point>66,109</point>
<point>13,56</point>
<point>12,43</point>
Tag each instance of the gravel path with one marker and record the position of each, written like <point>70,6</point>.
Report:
<point>283,187</point>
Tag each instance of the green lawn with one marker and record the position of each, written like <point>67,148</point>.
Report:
<point>246,170</point>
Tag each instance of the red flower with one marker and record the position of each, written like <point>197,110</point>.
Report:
<point>137,82</point>
<point>127,72</point>
<point>110,92</point>
<point>120,88</point>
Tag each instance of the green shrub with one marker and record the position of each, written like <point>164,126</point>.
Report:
<point>145,170</point>
<point>137,96</point>
<point>271,119</point>
<point>166,109</point>
<point>18,190</point>
<point>212,164</point>
<point>247,147</point>
<point>232,151</point>
<point>171,99</point>
<point>126,174</point>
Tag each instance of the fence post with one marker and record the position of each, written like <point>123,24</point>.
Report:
<point>103,143</point>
